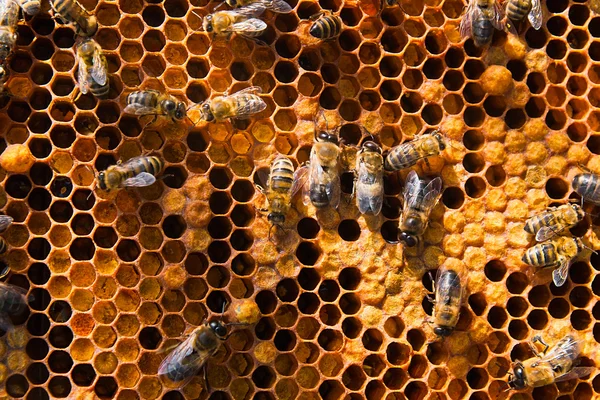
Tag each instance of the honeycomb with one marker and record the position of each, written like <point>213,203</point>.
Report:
<point>120,277</point>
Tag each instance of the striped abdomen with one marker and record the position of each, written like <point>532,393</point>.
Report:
<point>135,166</point>
<point>448,299</point>
<point>11,301</point>
<point>145,98</point>
<point>9,14</point>
<point>541,255</point>
<point>588,186</point>
<point>517,9</point>
<point>281,177</point>
<point>31,7</point>
<point>400,157</point>
<point>71,11</point>
<point>482,31</point>
<point>99,90</point>
<point>326,27</point>
<point>535,223</point>
<point>249,103</point>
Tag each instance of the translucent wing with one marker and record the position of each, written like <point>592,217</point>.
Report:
<point>457,276</point>
<point>334,191</point>
<point>183,363</point>
<point>568,348</point>
<point>431,193</point>
<point>466,23</point>
<point>559,275</point>
<point>262,176</point>
<point>411,190</point>
<point>83,77</point>
<point>301,182</point>
<point>138,110</point>
<point>368,197</point>
<point>575,373</point>
<point>249,25</point>
<point>251,107</point>
<point>99,69</point>
<point>548,232</point>
<point>279,6</point>
<point>251,10</point>
<point>498,16</point>
<point>251,89</point>
<point>535,14</point>
<point>140,180</point>
<point>5,222</point>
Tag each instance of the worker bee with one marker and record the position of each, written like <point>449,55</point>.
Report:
<point>420,197</point>
<point>449,288</point>
<point>9,17</point>
<point>92,74</point>
<point>409,153</point>
<point>516,10</point>
<point>557,253</point>
<point>279,190</point>
<point>13,301</point>
<point>587,185</point>
<point>137,172</point>
<point>191,355</point>
<point>368,185</point>
<point>553,221</point>
<point>30,7</point>
<point>72,12</point>
<point>549,367</point>
<point>242,21</point>
<point>480,19</point>
<point>153,102</point>
<point>319,178</point>
<point>326,25</point>
<point>278,6</point>
<point>239,105</point>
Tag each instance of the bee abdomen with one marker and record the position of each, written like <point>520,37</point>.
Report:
<point>482,31</point>
<point>517,10</point>
<point>534,224</point>
<point>318,195</point>
<point>12,303</point>
<point>326,27</point>
<point>99,90</point>
<point>152,165</point>
<point>282,175</point>
<point>540,255</point>
<point>399,158</point>
<point>146,99</point>
<point>587,186</point>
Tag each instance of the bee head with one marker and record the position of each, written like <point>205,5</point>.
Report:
<point>180,111</point>
<point>441,142</point>
<point>408,239</point>
<point>371,146</point>
<point>276,218</point>
<point>207,23</point>
<point>443,331</point>
<point>108,180</point>
<point>219,329</point>
<point>326,137</point>
<point>87,47</point>
<point>207,113</point>
<point>102,180</point>
<point>518,380</point>
<point>578,211</point>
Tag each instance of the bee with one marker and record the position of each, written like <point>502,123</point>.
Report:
<point>191,355</point>
<point>72,12</point>
<point>9,17</point>
<point>5,222</point>
<point>516,10</point>
<point>153,102</point>
<point>319,178</point>
<point>553,221</point>
<point>239,105</point>
<point>13,301</point>
<point>587,185</point>
<point>137,172</point>
<point>480,19</point>
<point>30,7</point>
<point>552,366</point>
<point>242,21</point>
<point>326,25</point>
<point>557,254</point>
<point>279,190</point>
<point>278,6</point>
<point>369,178</point>
<point>420,197</point>
<point>449,289</point>
<point>92,73</point>
<point>409,153</point>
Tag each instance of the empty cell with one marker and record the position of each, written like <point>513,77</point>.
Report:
<point>577,38</point>
<point>536,39</point>
<point>453,104</point>
<point>369,53</point>
<point>288,46</point>
<point>394,41</point>
<point>432,114</point>
<point>286,72</point>
<point>436,42</point>
<point>415,28</point>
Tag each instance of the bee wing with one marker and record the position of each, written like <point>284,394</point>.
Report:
<point>99,69</point>
<point>411,190</point>
<point>369,200</point>
<point>251,10</point>
<point>250,107</point>
<point>575,373</point>
<point>548,232</point>
<point>559,275</point>
<point>5,323</point>
<point>140,180</point>
<point>5,221</point>
<point>300,180</point>
<point>432,193</point>
<point>466,21</point>
<point>183,361</point>
<point>535,14</point>
<point>138,110</point>
<point>498,13</point>
<point>279,6</point>
<point>83,77</point>
<point>251,89</point>
<point>262,176</point>
<point>249,25</point>
<point>568,348</point>
<point>334,191</point>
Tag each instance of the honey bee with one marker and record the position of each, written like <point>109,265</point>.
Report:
<point>326,25</point>
<point>279,190</point>
<point>553,221</point>
<point>9,17</point>
<point>5,222</point>
<point>242,21</point>
<point>516,10</point>
<point>92,73</point>
<point>480,19</point>
<point>552,366</point>
<point>153,102</point>
<point>420,196</point>
<point>190,356</point>
<point>13,301</point>
<point>278,6</point>
<point>319,178</point>
<point>30,7</point>
<point>587,185</point>
<point>368,185</point>
<point>409,153</point>
<point>137,172</point>
<point>449,288</point>
<point>239,105</point>
<point>72,12</point>
<point>557,253</point>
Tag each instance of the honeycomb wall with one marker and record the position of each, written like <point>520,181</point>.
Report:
<point>119,277</point>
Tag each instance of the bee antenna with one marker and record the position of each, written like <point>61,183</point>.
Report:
<point>590,249</point>
<point>201,20</point>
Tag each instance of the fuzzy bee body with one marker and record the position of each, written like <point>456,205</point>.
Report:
<point>153,102</point>
<point>191,355</point>
<point>30,7</point>
<point>480,19</point>
<point>12,299</point>
<point>327,26</point>
<point>242,21</point>
<point>449,290</point>
<point>239,105</point>
<point>587,185</point>
<point>517,10</point>
<point>409,153</point>
<point>557,253</point>
<point>553,221</point>
<point>72,12</point>
<point>137,172</point>
<point>279,190</point>
<point>369,179</point>
<point>9,17</point>
<point>92,73</point>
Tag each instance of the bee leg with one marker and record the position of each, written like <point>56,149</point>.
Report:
<point>206,384</point>
<point>538,338</point>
